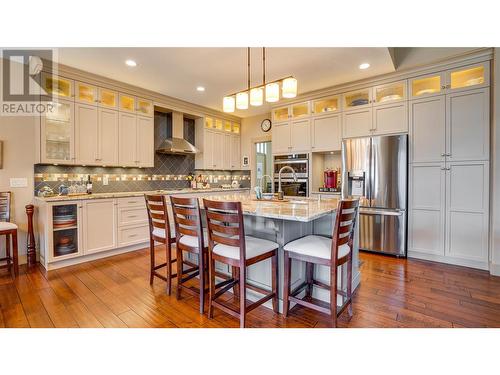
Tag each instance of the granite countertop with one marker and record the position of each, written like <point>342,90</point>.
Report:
<point>294,208</point>
<point>59,198</point>
<point>327,192</point>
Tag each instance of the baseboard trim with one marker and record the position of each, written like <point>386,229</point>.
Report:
<point>495,269</point>
<point>449,260</point>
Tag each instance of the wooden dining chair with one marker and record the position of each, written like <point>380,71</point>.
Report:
<point>319,250</point>
<point>228,244</point>
<point>190,238</point>
<point>160,230</point>
<point>9,230</point>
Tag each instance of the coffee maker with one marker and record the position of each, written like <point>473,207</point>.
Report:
<point>330,178</point>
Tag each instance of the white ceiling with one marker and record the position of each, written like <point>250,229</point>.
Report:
<point>178,71</point>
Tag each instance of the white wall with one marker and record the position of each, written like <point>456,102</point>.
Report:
<point>495,168</point>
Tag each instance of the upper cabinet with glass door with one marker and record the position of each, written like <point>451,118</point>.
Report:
<point>300,110</point>
<point>85,93</point>
<point>468,77</point>
<point>57,133</point>
<point>58,86</point>
<point>227,126</point>
<point>127,103</point>
<point>325,106</point>
<point>145,107</point>
<point>357,99</point>
<point>108,98</point>
<point>389,93</point>
<point>428,85</point>
<point>218,124</point>
<point>281,114</point>
<point>236,128</point>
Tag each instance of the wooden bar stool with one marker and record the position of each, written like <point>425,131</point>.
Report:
<point>228,244</point>
<point>9,230</point>
<point>332,252</point>
<point>160,231</point>
<point>191,238</point>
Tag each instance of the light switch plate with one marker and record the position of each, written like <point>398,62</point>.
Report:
<point>18,182</point>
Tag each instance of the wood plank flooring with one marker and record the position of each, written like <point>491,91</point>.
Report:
<point>115,292</point>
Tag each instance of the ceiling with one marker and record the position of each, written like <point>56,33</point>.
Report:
<point>178,71</point>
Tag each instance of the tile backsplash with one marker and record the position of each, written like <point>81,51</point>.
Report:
<point>169,171</point>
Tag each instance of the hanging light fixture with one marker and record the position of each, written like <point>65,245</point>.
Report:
<point>254,96</point>
<point>289,88</point>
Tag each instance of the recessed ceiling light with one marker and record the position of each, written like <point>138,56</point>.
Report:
<point>364,66</point>
<point>200,88</point>
<point>130,63</point>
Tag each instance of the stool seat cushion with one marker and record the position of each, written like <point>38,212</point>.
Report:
<point>192,241</point>
<point>254,247</point>
<point>159,232</point>
<point>4,225</point>
<point>316,246</point>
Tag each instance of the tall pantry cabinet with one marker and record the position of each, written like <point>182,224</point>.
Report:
<point>449,166</point>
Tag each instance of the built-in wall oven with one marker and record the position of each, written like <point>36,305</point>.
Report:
<point>300,164</point>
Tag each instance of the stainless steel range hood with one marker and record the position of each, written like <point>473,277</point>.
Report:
<point>177,144</point>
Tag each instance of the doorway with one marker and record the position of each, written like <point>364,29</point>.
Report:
<point>264,165</point>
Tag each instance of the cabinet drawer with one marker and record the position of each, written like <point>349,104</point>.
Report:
<point>132,216</point>
<point>133,235</point>
<point>131,201</point>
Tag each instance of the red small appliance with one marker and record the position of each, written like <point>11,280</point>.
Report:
<point>330,179</point>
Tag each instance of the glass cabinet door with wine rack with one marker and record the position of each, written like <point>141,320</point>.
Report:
<point>65,231</point>
<point>57,133</point>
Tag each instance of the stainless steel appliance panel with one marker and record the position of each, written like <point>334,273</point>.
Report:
<point>383,231</point>
<point>356,155</point>
<point>293,188</point>
<point>388,172</point>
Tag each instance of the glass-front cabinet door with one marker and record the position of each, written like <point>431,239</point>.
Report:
<point>218,124</point>
<point>280,114</point>
<point>57,86</point>
<point>57,133</point>
<point>389,93</point>
<point>65,231</point>
<point>300,110</point>
<point>85,93</point>
<point>227,126</point>
<point>127,103</point>
<point>467,77</point>
<point>209,123</point>
<point>432,84</point>
<point>326,105</point>
<point>236,128</point>
<point>145,107</point>
<point>357,99</point>
<point>108,98</point>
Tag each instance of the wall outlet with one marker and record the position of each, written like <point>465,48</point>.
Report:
<point>105,180</point>
<point>19,182</point>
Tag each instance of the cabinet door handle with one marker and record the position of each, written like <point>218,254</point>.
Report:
<point>448,154</point>
<point>443,87</point>
<point>443,154</point>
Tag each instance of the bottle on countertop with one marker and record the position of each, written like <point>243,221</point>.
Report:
<point>89,185</point>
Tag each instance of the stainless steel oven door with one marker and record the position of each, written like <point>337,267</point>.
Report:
<point>382,231</point>
<point>293,188</point>
<point>299,163</point>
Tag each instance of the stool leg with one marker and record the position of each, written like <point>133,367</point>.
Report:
<point>179,256</point>
<point>275,281</point>
<point>286,289</point>
<point>168,250</point>
<point>7,251</point>
<point>243,312</point>
<point>14,253</point>
<point>349,285</point>
<point>333,293</point>
<point>211,289</point>
<point>152,262</point>
<point>235,274</point>
<point>309,278</point>
<point>201,268</point>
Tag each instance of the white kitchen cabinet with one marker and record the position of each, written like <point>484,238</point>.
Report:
<point>355,100</point>
<point>58,86</point>
<point>468,125</point>
<point>280,114</point>
<point>357,123</point>
<point>144,107</point>
<point>127,156</point>
<point>467,204</point>
<point>86,129</point>
<point>428,129</point>
<point>208,149</point>
<point>145,141</point>
<point>281,138</point>
<point>427,85</point>
<point>326,106</point>
<point>85,93</point>
<point>300,135</point>
<point>99,225</point>
<point>218,150</point>
<point>390,118</point>
<point>235,146</point>
<point>126,103</point>
<point>326,133</point>
<point>107,98</point>
<point>57,133</point>
<point>427,189</point>
<point>468,77</point>
<point>226,160</point>
<point>108,130</point>
<point>389,93</point>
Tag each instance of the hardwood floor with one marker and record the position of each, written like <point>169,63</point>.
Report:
<point>115,292</point>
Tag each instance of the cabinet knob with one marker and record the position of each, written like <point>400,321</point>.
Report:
<point>443,154</point>
<point>443,87</point>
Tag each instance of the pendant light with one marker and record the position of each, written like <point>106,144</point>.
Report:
<point>272,92</point>
<point>228,104</point>
<point>289,88</point>
<point>242,100</point>
<point>256,96</point>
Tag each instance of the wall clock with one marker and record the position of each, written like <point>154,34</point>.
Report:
<point>266,125</point>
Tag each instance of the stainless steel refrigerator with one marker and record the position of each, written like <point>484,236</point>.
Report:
<point>375,171</point>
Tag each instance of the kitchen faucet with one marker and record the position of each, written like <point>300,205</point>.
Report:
<point>261,180</point>
<point>280,192</point>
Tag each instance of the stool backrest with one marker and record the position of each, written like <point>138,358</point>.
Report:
<point>5,198</point>
<point>156,206</point>
<point>345,221</point>
<point>225,225</point>
<point>187,218</point>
